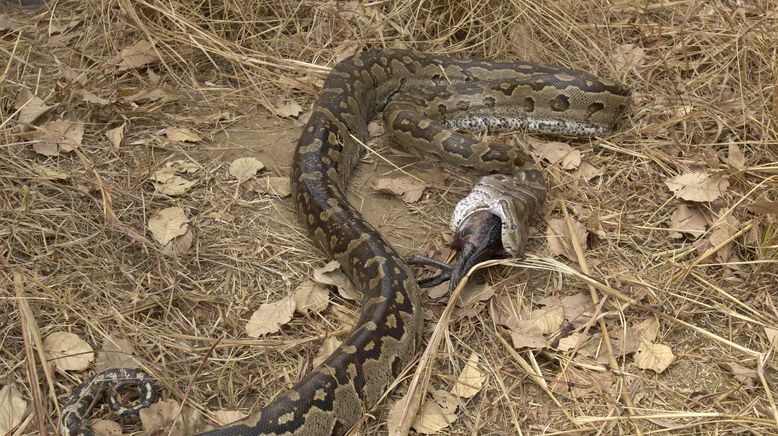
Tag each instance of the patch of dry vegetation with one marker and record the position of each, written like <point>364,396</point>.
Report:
<point>113,117</point>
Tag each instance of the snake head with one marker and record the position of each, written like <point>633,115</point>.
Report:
<point>477,239</point>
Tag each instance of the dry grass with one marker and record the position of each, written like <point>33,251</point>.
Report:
<point>76,255</point>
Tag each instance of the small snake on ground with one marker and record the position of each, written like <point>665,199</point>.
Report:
<point>424,98</point>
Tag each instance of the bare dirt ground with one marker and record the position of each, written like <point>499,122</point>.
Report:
<point>144,220</point>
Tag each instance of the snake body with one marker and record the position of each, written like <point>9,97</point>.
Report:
<point>431,94</point>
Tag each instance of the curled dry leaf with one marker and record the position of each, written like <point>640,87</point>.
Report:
<point>67,351</point>
<point>744,375</point>
<point>224,417</point>
<point>278,186</point>
<point>470,380</point>
<point>245,168</point>
<point>49,173</point>
<point>168,224</point>
<point>578,308</point>
<point>12,408</point>
<point>687,220</point>
<point>270,317</point>
<point>310,297</point>
<point>5,23</point>
<point>116,135</point>
<point>764,207</point>
<point>30,106</point>
<point>115,353</point>
<point>474,293</point>
<point>104,427</point>
<point>182,134</point>
<point>568,157</point>
<point>288,109</point>
<point>408,188</point>
<point>588,171</point>
<point>570,341</point>
<point>772,335</point>
<point>163,418</point>
<point>526,334</point>
<point>179,245</point>
<point>628,57</point>
<point>395,424</point>
<point>698,186</point>
<point>137,55</point>
<point>548,319</point>
<point>330,344</point>
<point>722,233</point>
<point>375,129</point>
<point>735,157</point>
<point>167,182</point>
<point>436,414</point>
<point>58,136</point>
<point>330,274</point>
<point>91,98</point>
<point>656,357</point>
<point>559,239</point>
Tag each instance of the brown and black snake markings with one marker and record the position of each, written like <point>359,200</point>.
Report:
<point>429,96</point>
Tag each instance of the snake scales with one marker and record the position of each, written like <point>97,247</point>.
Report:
<point>423,96</point>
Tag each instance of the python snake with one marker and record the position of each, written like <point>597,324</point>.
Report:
<point>424,97</point>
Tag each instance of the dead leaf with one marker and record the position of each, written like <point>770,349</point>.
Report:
<point>67,351</point>
<point>570,341</point>
<point>687,220</point>
<point>330,274</point>
<point>182,134</point>
<point>548,319</point>
<point>772,334</point>
<point>12,409</point>
<point>698,186</point>
<point>723,231</point>
<point>470,380</point>
<point>625,341</point>
<point>91,98</point>
<point>394,423</point>
<point>150,95</point>
<point>735,157</point>
<point>375,129</point>
<point>104,427</point>
<point>179,245</point>
<point>554,152</point>
<point>434,416</point>
<point>330,344</point>
<point>764,207</point>
<point>588,171</point>
<point>744,375</point>
<point>58,135</point>
<point>168,224</point>
<point>648,329</point>
<point>526,334</point>
<point>137,55</point>
<point>30,106</point>
<point>270,317</point>
<point>288,109</point>
<point>224,417</point>
<point>115,353</point>
<point>628,57</point>
<point>310,297</point>
<point>578,308</point>
<point>163,417</point>
<point>406,187</point>
<point>245,168</point>
<point>278,186</point>
<point>656,357</point>
<point>116,135</point>
<point>559,239</point>
<point>5,23</point>
<point>50,173</point>
<point>347,50</point>
<point>167,182</point>
<point>474,293</point>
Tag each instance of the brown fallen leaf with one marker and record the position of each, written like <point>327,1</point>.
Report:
<point>182,134</point>
<point>330,344</point>
<point>548,319</point>
<point>689,220</point>
<point>167,182</point>
<point>570,341</point>
<point>58,136</point>
<point>104,427</point>
<point>224,417</point>
<point>588,171</point>
<point>698,186</point>
<point>30,106</point>
<point>310,296</point>
<point>474,293</point>
<point>559,239</point>
<point>278,186</point>
<point>288,109</point>
<point>165,417</point>
<point>408,188</point>
<point>270,317</point>
<point>179,245</point>
<point>91,98</point>
<point>568,157</point>
<point>137,55</point>
<point>578,308</point>
<point>116,135</point>
<point>470,380</point>
<point>50,173</point>
<point>744,375</point>
<point>5,23</point>
<point>67,351</point>
<point>13,408</point>
<point>330,274</point>
<point>168,224</point>
<point>115,353</point>
<point>526,334</point>
<point>628,57</point>
<point>435,415</point>
<point>151,95</point>
<point>735,156</point>
<point>772,334</point>
<point>764,207</point>
<point>723,231</point>
<point>656,357</point>
<point>245,168</point>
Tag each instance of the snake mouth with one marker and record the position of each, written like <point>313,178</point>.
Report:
<point>479,238</point>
